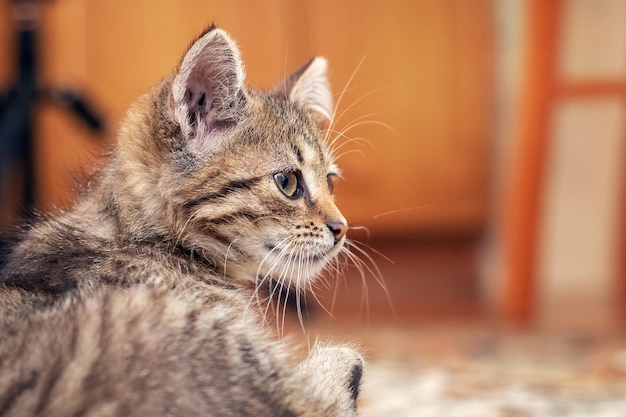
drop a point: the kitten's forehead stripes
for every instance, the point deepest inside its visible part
(229, 188)
(298, 153)
(310, 152)
(230, 217)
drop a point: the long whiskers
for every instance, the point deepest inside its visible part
(335, 119)
(267, 276)
(342, 134)
(358, 121)
(371, 266)
(276, 277)
(358, 100)
(359, 255)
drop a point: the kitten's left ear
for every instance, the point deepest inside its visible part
(309, 88)
(206, 88)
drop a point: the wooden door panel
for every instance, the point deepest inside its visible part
(426, 73)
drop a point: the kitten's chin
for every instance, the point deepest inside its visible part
(295, 271)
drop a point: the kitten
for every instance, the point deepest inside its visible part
(137, 301)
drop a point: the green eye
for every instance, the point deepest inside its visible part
(287, 183)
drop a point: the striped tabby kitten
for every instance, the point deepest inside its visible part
(141, 299)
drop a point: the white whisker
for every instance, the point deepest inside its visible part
(363, 228)
(361, 267)
(289, 272)
(269, 273)
(387, 213)
(382, 255)
(339, 134)
(373, 270)
(342, 94)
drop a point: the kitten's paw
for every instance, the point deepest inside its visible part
(332, 375)
(341, 364)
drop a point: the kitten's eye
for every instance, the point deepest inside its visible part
(287, 183)
(330, 179)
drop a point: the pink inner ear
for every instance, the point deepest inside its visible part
(201, 109)
(197, 106)
(208, 81)
(198, 103)
(309, 88)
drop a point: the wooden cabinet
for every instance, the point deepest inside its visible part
(425, 73)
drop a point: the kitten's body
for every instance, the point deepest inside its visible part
(148, 352)
(138, 301)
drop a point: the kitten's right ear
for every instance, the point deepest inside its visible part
(308, 87)
(206, 87)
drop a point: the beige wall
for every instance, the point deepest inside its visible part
(582, 213)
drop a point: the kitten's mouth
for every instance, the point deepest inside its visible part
(304, 257)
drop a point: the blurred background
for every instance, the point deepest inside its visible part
(485, 144)
(485, 138)
(484, 152)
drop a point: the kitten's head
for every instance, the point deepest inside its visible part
(240, 177)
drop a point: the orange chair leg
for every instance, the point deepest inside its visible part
(521, 214)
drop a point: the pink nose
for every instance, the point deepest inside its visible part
(339, 229)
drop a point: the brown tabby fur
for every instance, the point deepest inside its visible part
(141, 299)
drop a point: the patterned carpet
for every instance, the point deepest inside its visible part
(471, 370)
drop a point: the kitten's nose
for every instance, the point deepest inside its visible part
(339, 229)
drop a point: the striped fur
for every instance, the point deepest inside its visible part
(148, 352)
(141, 299)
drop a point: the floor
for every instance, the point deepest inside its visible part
(432, 350)
(474, 368)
